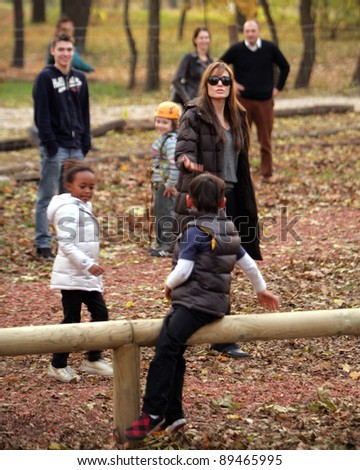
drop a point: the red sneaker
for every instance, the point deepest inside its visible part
(143, 426)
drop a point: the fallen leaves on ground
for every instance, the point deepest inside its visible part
(290, 394)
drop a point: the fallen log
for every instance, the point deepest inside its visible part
(316, 143)
(117, 126)
(26, 177)
(34, 168)
(317, 109)
(15, 144)
(319, 133)
(140, 124)
(17, 167)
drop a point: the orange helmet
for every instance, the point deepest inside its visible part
(168, 110)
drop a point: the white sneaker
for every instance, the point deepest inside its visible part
(64, 374)
(99, 367)
(176, 425)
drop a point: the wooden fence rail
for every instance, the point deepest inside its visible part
(126, 337)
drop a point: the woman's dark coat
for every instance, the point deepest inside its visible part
(198, 140)
(185, 85)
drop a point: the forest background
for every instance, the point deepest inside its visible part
(135, 46)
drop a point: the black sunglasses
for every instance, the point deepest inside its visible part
(214, 80)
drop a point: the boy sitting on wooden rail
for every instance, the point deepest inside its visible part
(199, 290)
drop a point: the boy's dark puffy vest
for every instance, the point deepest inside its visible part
(208, 288)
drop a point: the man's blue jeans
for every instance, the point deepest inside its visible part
(50, 184)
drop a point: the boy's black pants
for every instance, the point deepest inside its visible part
(72, 301)
(163, 395)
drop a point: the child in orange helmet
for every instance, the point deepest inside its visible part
(164, 175)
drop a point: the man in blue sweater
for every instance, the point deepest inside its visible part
(62, 117)
(253, 62)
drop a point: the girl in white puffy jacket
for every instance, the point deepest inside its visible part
(76, 271)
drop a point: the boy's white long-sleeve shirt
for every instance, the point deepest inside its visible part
(184, 267)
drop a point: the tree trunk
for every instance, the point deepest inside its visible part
(185, 8)
(132, 45)
(308, 58)
(205, 13)
(271, 24)
(19, 45)
(38, 11)
(356, 76)
(270, 21)
(79, 12)
(153, 62)
(240, 19)
(233, 33)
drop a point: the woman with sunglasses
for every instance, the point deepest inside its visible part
(214, 137)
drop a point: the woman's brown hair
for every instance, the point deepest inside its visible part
(197, 31)
(234, 112)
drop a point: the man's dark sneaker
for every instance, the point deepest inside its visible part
(231, 350)
(45, 253)
(143, 426)
(172, 426)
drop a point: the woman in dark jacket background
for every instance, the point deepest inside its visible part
(214, 137)
(185, 84)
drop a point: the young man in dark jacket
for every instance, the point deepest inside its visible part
(62, 118)
(199, 290)
(253, 62)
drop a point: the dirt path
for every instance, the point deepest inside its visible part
(22, 118)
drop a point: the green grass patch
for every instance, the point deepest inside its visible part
(107, 49)
(16, 93)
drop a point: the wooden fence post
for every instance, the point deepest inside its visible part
(126, 399)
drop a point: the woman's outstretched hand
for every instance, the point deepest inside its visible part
(191, 166)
